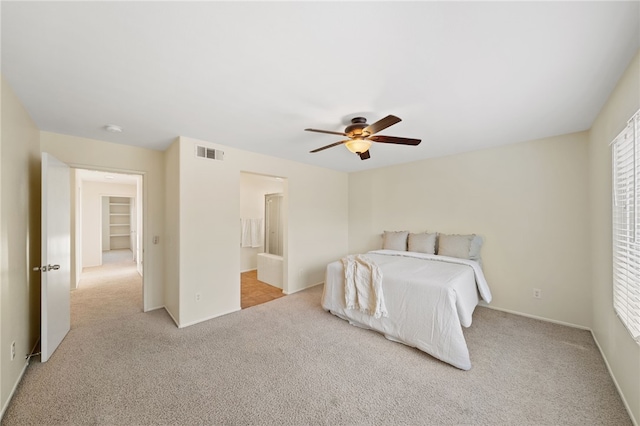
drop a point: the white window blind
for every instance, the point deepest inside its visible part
(626, 226)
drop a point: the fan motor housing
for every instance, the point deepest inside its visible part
(355, 128)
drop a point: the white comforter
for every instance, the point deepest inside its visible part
(428, 299)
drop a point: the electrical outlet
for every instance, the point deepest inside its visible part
(537, 293)
(13, 351)
(197, 297)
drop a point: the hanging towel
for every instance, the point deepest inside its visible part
(251, 232)
(256, 232)
(245, 232)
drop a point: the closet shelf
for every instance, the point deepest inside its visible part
(119, 223)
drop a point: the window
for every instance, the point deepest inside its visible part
(626, 225)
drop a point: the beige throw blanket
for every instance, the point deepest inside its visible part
(363, 286)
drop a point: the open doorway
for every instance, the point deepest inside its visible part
(107, 223)
(262, 230)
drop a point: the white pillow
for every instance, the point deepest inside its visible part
(395, 240)
(474, 250)
(460, 246)
(423, 243)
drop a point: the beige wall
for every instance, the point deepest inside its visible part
(93, 154)
(316, 208)
(621, 352)
(528, 200)
(19, 239)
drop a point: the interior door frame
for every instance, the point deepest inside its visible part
(145, 220)
(284, 190)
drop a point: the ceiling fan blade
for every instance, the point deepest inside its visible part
(326, 131)
(379, 125)
(394, 139)
(364, 155)
(330, 146)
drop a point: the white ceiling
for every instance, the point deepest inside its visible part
(253, 75)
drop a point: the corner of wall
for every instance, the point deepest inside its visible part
(620, 352)
(172, 231)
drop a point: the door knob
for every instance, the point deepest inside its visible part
(46, 268)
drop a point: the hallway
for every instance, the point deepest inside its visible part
(106, 292)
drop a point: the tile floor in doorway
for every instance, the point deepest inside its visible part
(254, 292)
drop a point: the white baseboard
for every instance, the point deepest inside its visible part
(615, 382)
(175, 321)
(155, 308)
(207, 318)
(606, 362)
(248, 270)
(568, 324)
(303, 288)
(15, 386)
(13, 390)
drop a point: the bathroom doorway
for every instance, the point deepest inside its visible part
(263, 223)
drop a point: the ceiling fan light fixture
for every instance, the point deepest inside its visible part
(361, 135)
(358, 145)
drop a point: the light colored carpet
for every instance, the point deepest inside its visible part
(117, 256)
(110, 291)
(287, 362)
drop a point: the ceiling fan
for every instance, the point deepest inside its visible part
(361, 135)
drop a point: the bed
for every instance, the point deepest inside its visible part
(428, 299)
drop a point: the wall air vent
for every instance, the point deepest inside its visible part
(209, 153)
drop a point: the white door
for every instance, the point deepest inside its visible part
(56, 255)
